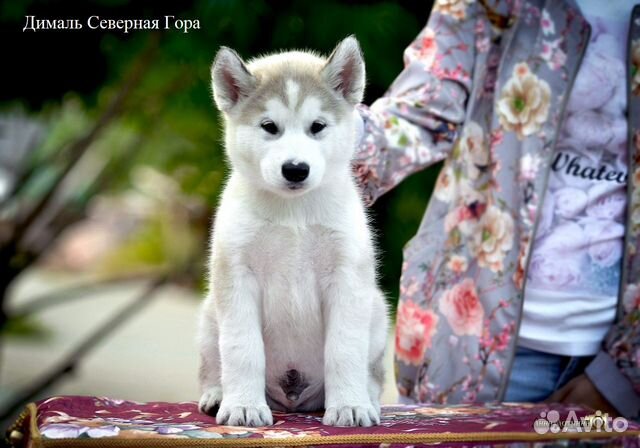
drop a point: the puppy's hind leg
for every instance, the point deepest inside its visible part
(210, 383)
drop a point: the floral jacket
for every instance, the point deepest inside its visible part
(484, 90)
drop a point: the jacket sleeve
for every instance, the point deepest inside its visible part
(615, 371)
(416, 122)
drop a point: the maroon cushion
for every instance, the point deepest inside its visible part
(71, 421)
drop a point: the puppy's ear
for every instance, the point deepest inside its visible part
(230, 79)
(344, 70)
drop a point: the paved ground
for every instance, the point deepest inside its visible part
(151, 357)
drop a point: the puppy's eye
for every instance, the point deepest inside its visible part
(317, 127)
(269, 126)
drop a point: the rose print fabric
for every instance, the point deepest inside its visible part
(574, 271)
(484, 90)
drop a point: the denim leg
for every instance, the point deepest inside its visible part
(534, 375)
(575, 367)
(406, 400)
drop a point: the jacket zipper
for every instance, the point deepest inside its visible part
(630, 165)
(563, 106)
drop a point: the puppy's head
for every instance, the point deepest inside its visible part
(289, 116)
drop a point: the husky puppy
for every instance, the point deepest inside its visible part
(293, 320)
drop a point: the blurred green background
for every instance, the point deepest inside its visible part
(127, 138)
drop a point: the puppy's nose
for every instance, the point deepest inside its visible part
(295, 172)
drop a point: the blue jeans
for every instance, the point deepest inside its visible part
(536, 375)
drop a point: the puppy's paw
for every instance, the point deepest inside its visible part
(351, 416)
(234, 415)
(210, 401)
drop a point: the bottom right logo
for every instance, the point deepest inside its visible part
(550, 421)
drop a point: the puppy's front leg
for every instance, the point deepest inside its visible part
(347, 319)
(242, 353)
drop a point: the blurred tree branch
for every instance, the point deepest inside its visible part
(68, 294)
(71, 361)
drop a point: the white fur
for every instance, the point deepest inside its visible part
(292, 275)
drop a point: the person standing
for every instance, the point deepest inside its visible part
(523, 281)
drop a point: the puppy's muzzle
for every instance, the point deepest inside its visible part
(295, 172)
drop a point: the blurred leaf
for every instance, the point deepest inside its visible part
(25, 327)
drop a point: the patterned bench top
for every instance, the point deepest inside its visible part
(98, 421)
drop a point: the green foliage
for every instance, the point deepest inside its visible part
(164, 244)
(25, 327)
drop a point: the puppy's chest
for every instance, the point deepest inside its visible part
(291, 265)
(291, 259)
